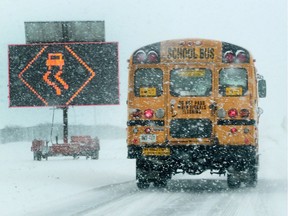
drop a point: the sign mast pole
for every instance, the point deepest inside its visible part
(65, 124)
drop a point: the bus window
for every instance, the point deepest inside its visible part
(191, 82)
(233, 82)
(148, 82)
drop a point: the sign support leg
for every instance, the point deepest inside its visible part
(65, 125)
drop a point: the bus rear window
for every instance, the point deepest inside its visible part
(191, 82)
(233, 82)
(148, 82)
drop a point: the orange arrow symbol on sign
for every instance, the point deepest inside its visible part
(53, 84)
(57, 76)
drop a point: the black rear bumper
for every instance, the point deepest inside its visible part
(195, 159)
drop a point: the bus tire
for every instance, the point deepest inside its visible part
(141, 174)
(251, 178)
(233, 181)
(95, 155)
(39, 156)
(142, 184)
(160, 183)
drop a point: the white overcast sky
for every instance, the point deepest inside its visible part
(257, 25)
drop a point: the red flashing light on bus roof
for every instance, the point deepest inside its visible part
(234, 54)
(149, 54)
(152, 57)
(241, 56)
(229, 57)
(140, 56)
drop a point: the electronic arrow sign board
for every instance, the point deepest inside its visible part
(63, 74)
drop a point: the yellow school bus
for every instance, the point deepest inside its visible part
(193, 107)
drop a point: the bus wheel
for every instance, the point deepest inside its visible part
(39, 156)
(233, 181)
(142, 171)
(160, 183)
(142, 184)
(95, 155)
(161, 180)
(251, 177)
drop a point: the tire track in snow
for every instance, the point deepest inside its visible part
(84, 202)
(181, 197)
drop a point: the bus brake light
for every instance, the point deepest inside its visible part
(148, 113)
(232, 113)
(147, 130)
(233, 130)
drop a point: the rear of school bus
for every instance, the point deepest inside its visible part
(192, 107)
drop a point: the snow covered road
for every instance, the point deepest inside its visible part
(63, 186)
(182, 197)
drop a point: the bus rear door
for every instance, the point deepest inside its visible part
(190, 104)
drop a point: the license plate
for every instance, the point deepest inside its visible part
(148, 138)
(146, 92)
(234, 91)
(156, 151)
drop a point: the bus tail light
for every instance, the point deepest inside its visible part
(229, 56)
(147, 130)
(247, 141)
(148, 113)
(232, 113)
(244, 113)
(233, 130)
